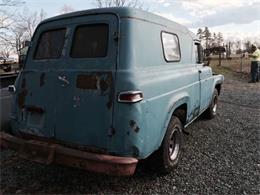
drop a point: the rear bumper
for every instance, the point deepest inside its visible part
(50, 153)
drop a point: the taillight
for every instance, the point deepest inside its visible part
(130, 96)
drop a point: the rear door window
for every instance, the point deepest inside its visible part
(90, 41)
(50, 44)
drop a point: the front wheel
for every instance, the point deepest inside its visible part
(211, 112)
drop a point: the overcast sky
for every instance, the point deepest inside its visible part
(234, 18)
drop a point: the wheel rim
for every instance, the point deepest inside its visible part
(174, 145)
(215, 106)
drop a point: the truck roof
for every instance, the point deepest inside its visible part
(126, 12)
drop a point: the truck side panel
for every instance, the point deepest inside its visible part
(143, 67)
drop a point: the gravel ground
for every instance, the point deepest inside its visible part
(221, 156)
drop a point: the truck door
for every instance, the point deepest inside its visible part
(86, 82)
(37, 86)
(205, 75)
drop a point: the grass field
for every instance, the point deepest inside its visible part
(236, 64)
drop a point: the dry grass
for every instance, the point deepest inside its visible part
(232, 68)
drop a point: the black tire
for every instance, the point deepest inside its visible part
(169, 153)
(211, 112)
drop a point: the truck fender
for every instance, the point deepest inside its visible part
(175, 102)
(218, 79)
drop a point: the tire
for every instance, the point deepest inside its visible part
(169, 153)
(211, 112)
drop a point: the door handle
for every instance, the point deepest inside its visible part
(63, 79)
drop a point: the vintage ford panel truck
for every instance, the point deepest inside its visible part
(104, 88)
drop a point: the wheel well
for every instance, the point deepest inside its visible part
(181, 113)
(218, 87)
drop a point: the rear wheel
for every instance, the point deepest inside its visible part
(211, 112)
(170, 151)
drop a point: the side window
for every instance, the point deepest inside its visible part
(90, 41)
(50, 44)
(171, 47)
(198, 53)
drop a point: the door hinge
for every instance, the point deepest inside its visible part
(116, 36)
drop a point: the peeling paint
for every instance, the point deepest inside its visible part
(111, 131)
(21, 98)
(196, 112)
(76, 100)
(42, 79)
(23, 83)
(134, 126)
(35, 109)
(110, 83)
(22, 94)
(100, 81)
(106, 83)
(87, 82)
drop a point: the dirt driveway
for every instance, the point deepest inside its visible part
(221, 156)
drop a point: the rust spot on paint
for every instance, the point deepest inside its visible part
(134, 126)
(195, 112)
(101, 81)
(35, 109)
(87, 82)
(137, 129)
(105, 83)
(42, 79)
(132, 123)
(22, 94)
(111, 131)
(23, 83)
(21, 98)
(110, 83)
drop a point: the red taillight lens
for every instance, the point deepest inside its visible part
(130, 97)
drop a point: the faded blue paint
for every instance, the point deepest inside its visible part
(93, 117)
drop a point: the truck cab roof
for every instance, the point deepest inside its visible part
(125, 12)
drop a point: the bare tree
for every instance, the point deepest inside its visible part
(6, 50)
(219, 40)
(28, 22)
(6, 21)
(5, 16)
(21, 30)
(214, 40)
(18, 37)
(200, 33)
(119, 3)
(66, 9)
(207, 37)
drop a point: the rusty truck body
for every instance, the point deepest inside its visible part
(102, 89)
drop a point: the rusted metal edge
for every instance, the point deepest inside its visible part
(48, 153)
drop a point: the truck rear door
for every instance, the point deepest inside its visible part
(85, 83)
(70, 76)
(37, 86)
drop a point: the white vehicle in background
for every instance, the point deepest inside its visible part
(6, 63)
(2, 60)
